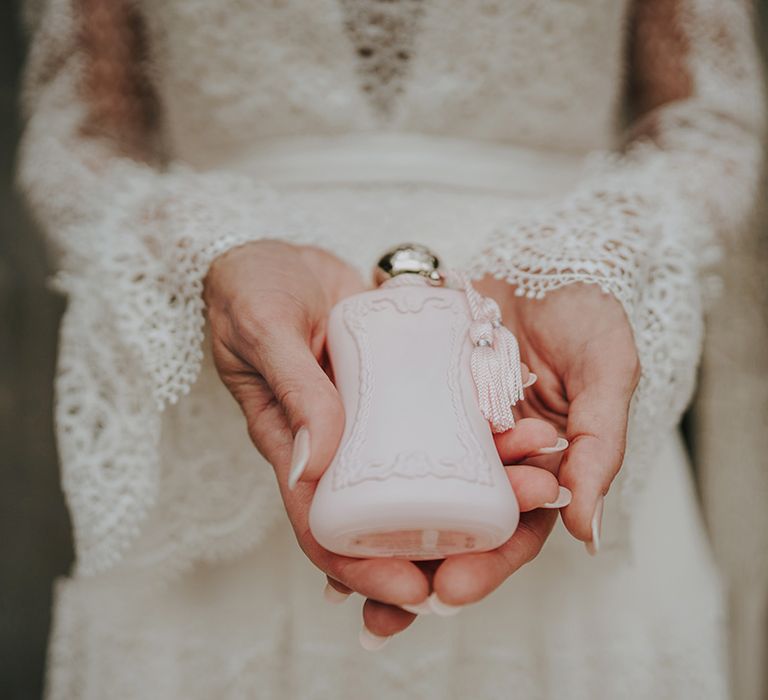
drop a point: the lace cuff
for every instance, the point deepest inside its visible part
(643, 234)
(646, 222)
(184, 220)
(633, 239)
(133, 242)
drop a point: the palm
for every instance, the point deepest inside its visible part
(575, 339)
(580, 345)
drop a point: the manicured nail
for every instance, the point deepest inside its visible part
(530, 381)
(593, 546)
(559, 446)
(333, 595)
(441, 608)
(370, 641)
(422, 608)
(299, 456)
(563, 499)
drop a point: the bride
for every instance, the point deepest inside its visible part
(214, 176)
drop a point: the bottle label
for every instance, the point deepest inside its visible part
(414, 387)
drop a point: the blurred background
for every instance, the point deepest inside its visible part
(34, 527)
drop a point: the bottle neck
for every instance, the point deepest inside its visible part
(407, 279)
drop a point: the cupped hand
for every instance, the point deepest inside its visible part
(466, 578)
(267, 304)
(579, 343)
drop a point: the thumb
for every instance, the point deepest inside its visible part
(309, 401)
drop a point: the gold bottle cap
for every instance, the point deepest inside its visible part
(408, 259)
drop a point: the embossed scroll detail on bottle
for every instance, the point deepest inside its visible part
(400, 450)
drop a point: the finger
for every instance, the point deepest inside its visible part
(534, 487)
(467, 578)
(266, 421)
(597, 428)
(310, 402)
(527, 437)
(394, 581)
(385, 620)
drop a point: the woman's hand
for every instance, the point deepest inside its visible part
(268, 303)
(579, 343)
(538, 495)
(267, 306)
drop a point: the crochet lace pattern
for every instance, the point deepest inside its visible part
(134, 236)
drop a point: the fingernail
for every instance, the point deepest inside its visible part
(593, 546)
(422, 608)
(299, 456)
(443, 609)
(563, 499)
(559, 446)
(530, 381)
(333, 595)
(370, 641)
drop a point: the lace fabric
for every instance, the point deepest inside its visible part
(646, 225)
(244, 628)
(135, 237)
(383, 34)
(133, 244)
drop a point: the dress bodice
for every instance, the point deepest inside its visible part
(521, 71)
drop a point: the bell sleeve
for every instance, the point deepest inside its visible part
(648, 221)
(131, 234)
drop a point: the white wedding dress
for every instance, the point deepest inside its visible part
(488, 131)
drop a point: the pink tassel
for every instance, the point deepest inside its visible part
(488, 372)
(495, 361)
(507, 346)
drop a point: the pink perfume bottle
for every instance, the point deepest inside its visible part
(417, 474)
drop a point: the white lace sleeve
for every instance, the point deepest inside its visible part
(647, 220)
(133, 238)
(145, 231)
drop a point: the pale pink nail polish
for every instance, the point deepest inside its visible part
(334, 596)
(563, 499)
(370, 641)
(422, 608)
(593, 546)
(560, 446)
(530, 381)
(299, 456)
(443, 609)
